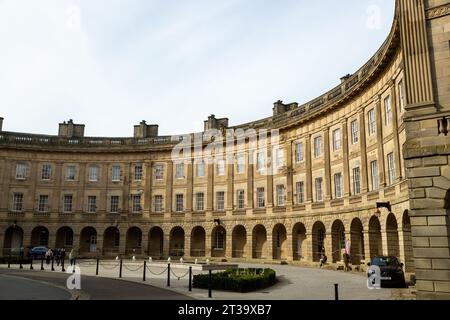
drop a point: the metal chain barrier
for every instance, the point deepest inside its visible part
(89, 263)
(132, 270)
(176, 276)
(109, 268)
(157, 274)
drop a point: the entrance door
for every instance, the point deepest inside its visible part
(93, 244)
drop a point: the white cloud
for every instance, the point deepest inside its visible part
(110, 64)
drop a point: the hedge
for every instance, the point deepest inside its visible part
(238, 280)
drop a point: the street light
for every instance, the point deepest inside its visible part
(386, 205)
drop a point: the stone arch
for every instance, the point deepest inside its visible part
(279, 242)
(176, 242)
(407, 243)
(88, 241)
(40, 237)
(64, 238)
(13, 241)
(299, 241)
(156, 242)
(375, 240)
(239, 241)
(337, 240)
(198, 242)
(318, 240)
(392, 239)
(134, 241)
(259, 240)
(218, 241)
(111, 241)
(357, 252)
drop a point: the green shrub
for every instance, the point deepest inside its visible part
(238, 280)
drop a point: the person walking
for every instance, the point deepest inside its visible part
(48, 256)
(346, 261)
(57, 256)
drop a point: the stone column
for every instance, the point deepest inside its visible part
(190, 189)
(250, 168)
(362, 143)
(396, 138)
(327, 178)
(123, 243)
(269, 177)
(208, 243)
(248, 250)
(308, 252)
(229, 245)
(367, 245)
(148, 187)
(289, 178)
(268, 252)
(308, 162)
(187, 246)
(230, 187)
(210, 188)
(380, 146)
(166, 243)
(328, 244)
(57, 200)
(346, 173)
(289, 248)
(169, 187)
(144, 243)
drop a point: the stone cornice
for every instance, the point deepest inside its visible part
(437, 12)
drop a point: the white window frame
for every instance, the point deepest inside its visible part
(338, 186)
(260, 161)
(93, 173)
(354, 125)
(319, 189)
(200, 201)
(116, 172)
(221, 168)
(71, 173)
(281, 195)
(201, 169)
(159, 201)
(241, 199)
(261, 198)
(388, 111)
(300, 189)
(18, 202)
(240, 166)
(179, 171)
(391, 168)
(299, 156)
(357, 180)
(159, 172)
(372, 122)
(43, 203)
(138, 172)
(337, 140)
(21, 171)
(114, 204)
(92, 204)
(136, 203)
(317, 146)
(375, 175)
(220, 201)
(279, 158)
(179, 202)
(46, 172)
(68, 203)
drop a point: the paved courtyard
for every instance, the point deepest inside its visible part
(295, 283)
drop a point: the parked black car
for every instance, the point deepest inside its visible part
(38, 252)
(392, 275)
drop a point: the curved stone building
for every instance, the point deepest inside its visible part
(380, 136)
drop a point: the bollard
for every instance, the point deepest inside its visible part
(62, 265)
(31, 263)
(42, 264)
(96, 269)
(74, 264)
(21, 266)
(336, 291)
(190, 278)
(120, 269)
(209, 284)
(168, 274)
(9, 261)
(145, 267)
(53, 265)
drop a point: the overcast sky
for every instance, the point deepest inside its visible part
(111, 63)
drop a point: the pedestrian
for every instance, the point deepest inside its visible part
(346, 261)
(72, 256)
(324, 259)
(57, 256)
(48, 256)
